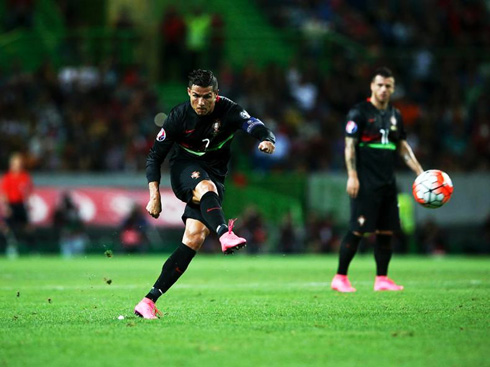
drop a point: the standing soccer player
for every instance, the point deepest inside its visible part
(374, 135)
(201, 131)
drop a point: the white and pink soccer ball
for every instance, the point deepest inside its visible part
(432, 188)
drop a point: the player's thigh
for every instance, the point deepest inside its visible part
(185, 176)
(364, 212)
(389, 216)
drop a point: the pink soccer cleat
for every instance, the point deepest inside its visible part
(147, 309)
(342, 284)
(383, 283)
(230, 242)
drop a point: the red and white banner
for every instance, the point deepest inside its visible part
(104, 206)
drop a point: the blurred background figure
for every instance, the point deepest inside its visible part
(289, 238)
(431, 239)
(173, 32)
(69, 227)
(253, 230)
(321, 233)
(15, 189)
(198, 37)
(133, 233)
(405, 238)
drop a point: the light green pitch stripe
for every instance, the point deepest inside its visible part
(219, 146)
(389, 146)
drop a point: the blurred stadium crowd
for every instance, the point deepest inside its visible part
(99, 117)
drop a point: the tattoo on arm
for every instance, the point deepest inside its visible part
(409, 157)
(350, 154)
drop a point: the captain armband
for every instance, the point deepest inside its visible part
(251, 123)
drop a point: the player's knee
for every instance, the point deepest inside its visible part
(194, 239)
(202, 188)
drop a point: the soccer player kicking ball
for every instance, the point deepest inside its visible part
(374, 135)
(201, 131)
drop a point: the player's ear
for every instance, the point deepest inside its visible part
(189, 91)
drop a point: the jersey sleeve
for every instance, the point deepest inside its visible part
(164, 141)
(251, 125)
(401, 126)
(354, 124)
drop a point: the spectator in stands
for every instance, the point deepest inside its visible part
(216, 42)
(197, 42)
(172, 45)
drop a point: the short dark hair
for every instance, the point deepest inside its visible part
(203, 78)
(382, 71)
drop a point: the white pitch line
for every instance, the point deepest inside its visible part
(254, 285)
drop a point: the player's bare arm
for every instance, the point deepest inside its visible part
(154, 207)
(267, 147)
(409, 158)
(350, 162)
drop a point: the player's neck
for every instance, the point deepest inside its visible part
(379, 105)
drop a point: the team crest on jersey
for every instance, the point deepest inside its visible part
(244, 114)
(393, 123)
(195, 175)
(351, 127)
(216, 126)
(161, 135)
(361, 220)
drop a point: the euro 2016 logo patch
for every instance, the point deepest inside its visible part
(161, 135)
(351, 127)
(244, 114)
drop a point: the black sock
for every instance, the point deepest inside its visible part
(382, 253)
(172, 269)
(213, 213)
(348, 249)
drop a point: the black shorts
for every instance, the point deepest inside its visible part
(185, 174)
(18, 216)
(375, 210)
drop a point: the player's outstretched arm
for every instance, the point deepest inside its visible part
(350, 162)
(267, 147)
(154, 206)
(409, 158)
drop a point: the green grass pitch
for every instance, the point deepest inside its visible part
(244, 311)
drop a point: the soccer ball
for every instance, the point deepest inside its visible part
(432, 188)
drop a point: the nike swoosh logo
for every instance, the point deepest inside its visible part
(189, 131)
(371, 120)
(210, 209)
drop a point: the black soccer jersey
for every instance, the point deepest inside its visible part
(378, 133)
(204, 138)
